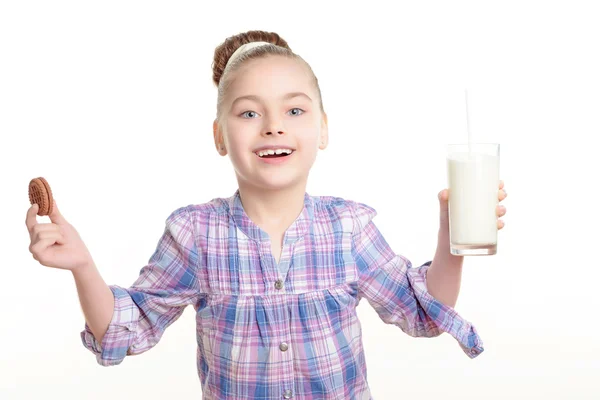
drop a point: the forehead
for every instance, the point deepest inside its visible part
(270, 77)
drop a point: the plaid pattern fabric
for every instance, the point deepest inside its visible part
(268, 330)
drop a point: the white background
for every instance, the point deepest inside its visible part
(113, 103)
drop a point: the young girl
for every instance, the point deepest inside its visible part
(273, 273)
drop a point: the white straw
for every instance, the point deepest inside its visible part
(470, 137)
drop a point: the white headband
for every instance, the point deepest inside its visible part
(243, 48)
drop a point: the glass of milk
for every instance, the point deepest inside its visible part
(473, 184)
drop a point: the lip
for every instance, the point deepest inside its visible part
(273, 148)
(278, 160)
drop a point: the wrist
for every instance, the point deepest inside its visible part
(443, 254)
(83, 269)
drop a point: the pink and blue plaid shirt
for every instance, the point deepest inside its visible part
(270, 330)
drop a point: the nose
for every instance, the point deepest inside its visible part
(273, 125)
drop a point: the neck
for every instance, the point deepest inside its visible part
(273, 209)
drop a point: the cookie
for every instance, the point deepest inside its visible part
(40, 193)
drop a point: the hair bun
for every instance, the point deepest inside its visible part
(226, 49)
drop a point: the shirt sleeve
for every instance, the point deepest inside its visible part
(165, 286)
(398, 292)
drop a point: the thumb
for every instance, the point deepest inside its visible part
(443, 198)
(55, 216)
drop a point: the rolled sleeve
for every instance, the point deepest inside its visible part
(120, 334)
(445, 318)
(398, 292)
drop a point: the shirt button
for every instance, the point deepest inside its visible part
(278, 284)
(473, 351)
(287, 394)
(283, 346)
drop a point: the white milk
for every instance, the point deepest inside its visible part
(473, 181)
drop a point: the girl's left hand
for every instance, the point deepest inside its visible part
(443, 197)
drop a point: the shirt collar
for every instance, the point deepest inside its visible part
(296, 230)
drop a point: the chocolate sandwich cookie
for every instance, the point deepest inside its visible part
(40, 193)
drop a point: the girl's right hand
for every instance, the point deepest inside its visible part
(56, 244)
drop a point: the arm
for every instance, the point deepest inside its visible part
(96, 299)
(444, 274)
(142, 312)
(398, 292)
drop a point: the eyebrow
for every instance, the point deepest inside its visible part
(258, 99)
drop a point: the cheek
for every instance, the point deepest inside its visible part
(310, 148)
(239, 151)
(309, 139)
(237, 141)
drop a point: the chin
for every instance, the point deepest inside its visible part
(278, 183)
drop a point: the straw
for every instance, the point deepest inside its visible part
(470, 136)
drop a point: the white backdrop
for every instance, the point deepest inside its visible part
(113, 103)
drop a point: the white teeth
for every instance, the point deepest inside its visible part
(262, 153)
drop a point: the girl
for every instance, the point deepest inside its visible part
(273, 273)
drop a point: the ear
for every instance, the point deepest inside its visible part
(218, 137)
(324, 135)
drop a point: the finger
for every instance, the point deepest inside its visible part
(56, 236)
(45, 227)
(443, 198)
(56, 216)
(43, 230)
(501, 195)
(501, 184)
(39, 247)
(500, 211)
(443, 195)
(42, 251)
(500, 224)
(31, 219)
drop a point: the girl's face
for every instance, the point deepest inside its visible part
(271, 103)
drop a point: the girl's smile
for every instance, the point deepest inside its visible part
(276, 158)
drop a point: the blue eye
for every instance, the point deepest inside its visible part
(301, 111)
(247, 112)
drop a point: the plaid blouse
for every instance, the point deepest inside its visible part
(269, 330)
